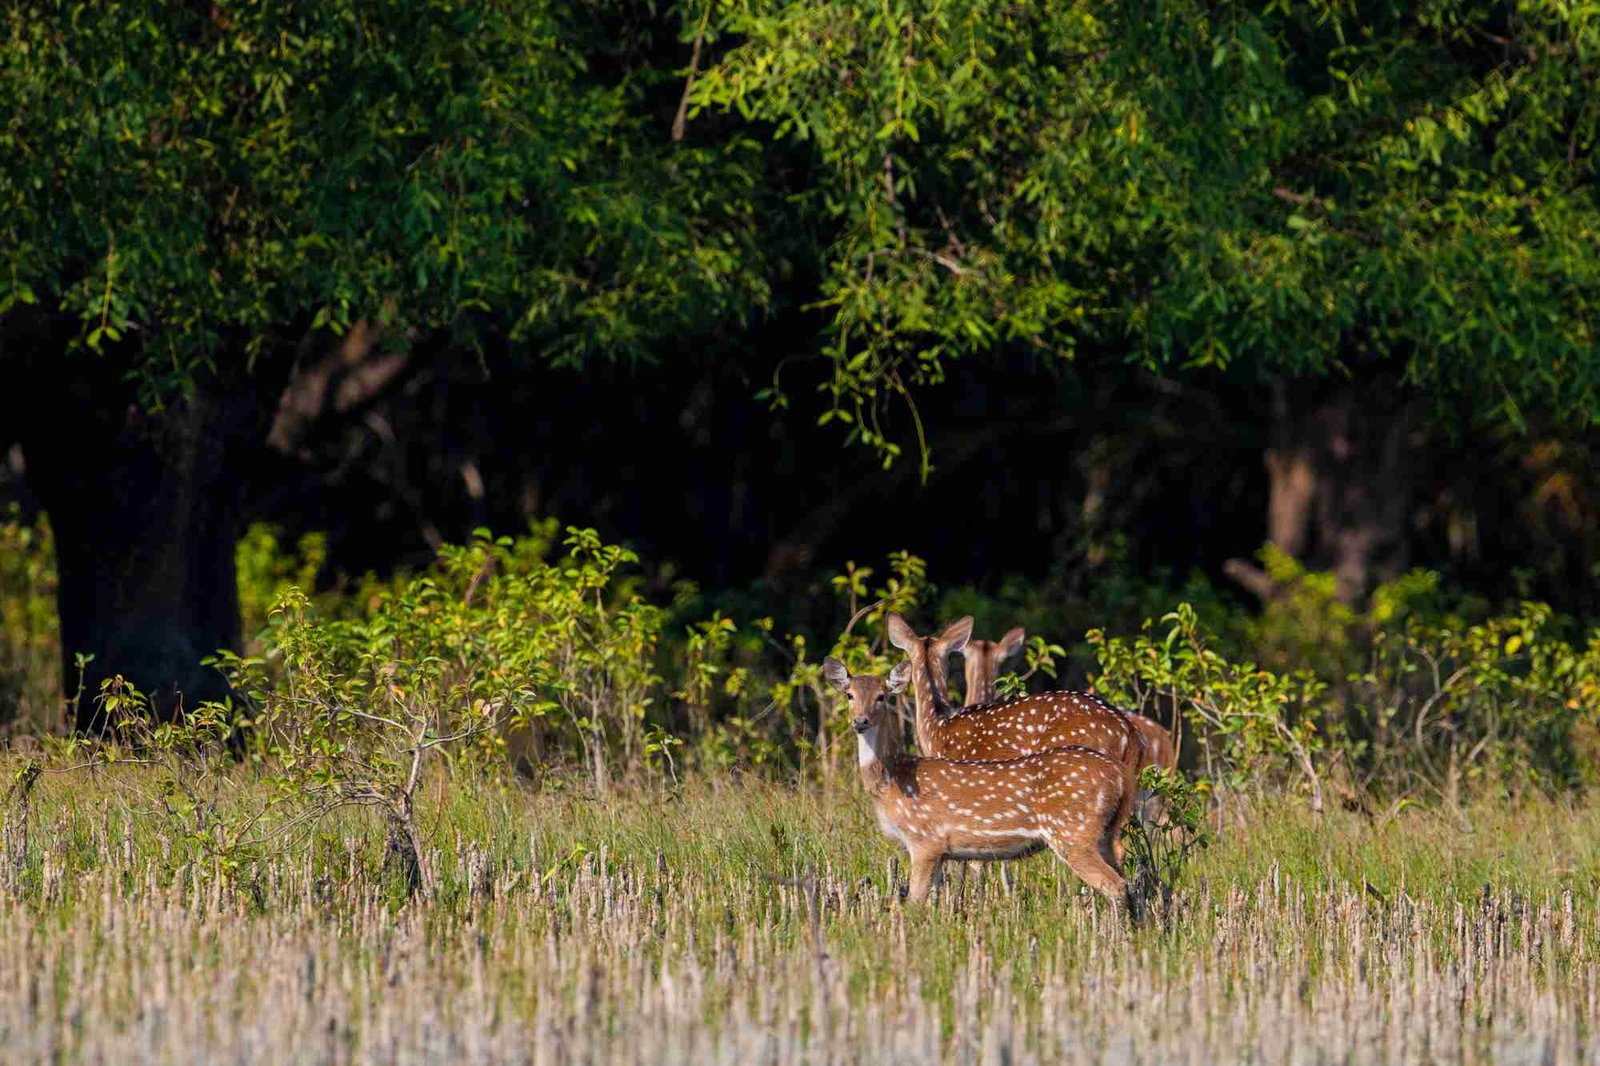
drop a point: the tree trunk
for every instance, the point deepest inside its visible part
(145, 506)
(1340, 469)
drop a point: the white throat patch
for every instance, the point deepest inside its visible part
(867, 746)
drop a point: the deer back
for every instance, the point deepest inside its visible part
(1029, 725)
(1001, 809)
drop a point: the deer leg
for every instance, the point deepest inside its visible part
(925, 868)
(1088, 861)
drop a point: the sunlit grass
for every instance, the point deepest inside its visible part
(747, 921)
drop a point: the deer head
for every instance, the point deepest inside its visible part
(929, 657)
(868, 695)
(982, 659)
(930, 652)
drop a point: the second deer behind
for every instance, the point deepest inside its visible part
(982, 659)
(1027, 725)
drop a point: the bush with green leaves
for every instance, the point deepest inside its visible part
(1161, 845)
(181, 787)
(545, 648)
(713, 694)
(754, 699)
(268, 568)
(1304, 624)
(1503, 704)
(191, 757)
(419, 679)
(1038, 657)
(1252, 727)
(432, 673)
(1428, 692)
(1444, 704)
(493, 635)
(359, 707)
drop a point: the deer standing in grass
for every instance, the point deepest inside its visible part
(981, 661)
(1073, 801)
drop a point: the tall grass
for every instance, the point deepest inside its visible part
(163, 902)
(742, 921)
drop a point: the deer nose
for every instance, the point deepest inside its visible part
(860, 723)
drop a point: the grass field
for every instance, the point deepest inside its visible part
(748, 922)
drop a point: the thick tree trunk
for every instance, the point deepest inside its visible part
(1341, 471)
(145, 506)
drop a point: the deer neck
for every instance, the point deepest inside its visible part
(980, 680)
(929, 683)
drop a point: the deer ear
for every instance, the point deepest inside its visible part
(1012, 642)
(835, 674)
(900, 634)
(956, 634)
(900, 676)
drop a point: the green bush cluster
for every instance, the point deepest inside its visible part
(544, 651)
(555, 656)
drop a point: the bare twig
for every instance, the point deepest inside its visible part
(860, 614)
(681, 120)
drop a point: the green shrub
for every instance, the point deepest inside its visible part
(267, 570)
(1161, 845)
(1038, 657)
(1442, 707)
(1253, 728)
(561, 651)
(545, 647)
(431, 672)
(1497, 705)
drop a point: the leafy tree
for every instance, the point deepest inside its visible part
(194, 196)
(1381, 215)
(1371, 217)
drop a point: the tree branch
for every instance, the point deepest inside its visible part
(681, 119)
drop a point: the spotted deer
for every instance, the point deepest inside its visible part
(1010, 729)
(1072, 800)
(982, 658)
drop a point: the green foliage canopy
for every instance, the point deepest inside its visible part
(206, 175)
(1272, 188)
(1268, 188)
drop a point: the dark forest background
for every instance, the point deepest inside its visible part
(1074, 300)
